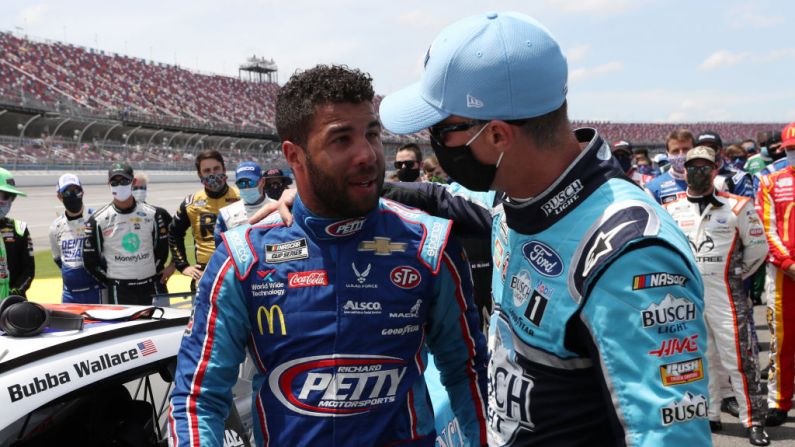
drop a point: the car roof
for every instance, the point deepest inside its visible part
(37, 370)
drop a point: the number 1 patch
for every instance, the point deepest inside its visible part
(535, 308)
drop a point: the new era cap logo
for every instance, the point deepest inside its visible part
(473, 103)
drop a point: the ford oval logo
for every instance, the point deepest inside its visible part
(543, 259)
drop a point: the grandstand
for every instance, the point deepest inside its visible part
(67, 106)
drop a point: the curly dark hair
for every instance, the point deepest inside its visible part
(322, 84)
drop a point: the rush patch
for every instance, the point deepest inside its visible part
(659, 279)
(337, 385)
(286, 251)
(679, 373)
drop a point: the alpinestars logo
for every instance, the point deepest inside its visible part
(602, 247)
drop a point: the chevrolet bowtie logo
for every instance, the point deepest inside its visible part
(382, 246)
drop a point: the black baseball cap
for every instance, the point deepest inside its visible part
(707, 138)
(120, 169)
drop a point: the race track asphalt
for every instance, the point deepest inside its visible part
(41, 207)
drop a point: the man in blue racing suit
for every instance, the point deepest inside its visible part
(597, 337)
(340, 309)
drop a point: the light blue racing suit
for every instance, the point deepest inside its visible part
(598, 336)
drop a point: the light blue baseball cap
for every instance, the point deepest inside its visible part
(502, 66)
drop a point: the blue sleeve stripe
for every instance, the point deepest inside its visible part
(480, 406)
(207, 350)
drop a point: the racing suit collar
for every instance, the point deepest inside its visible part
(125, 210)
(216, 194)
(325, 228)
(593, 167)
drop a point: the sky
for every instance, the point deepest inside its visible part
(629, 60)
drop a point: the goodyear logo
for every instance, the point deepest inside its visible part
(659, 279)
(271, 314)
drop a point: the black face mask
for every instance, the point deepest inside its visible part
(461, 165)
(275, 192)
(699, 182)
(73, 204)
(406, 174)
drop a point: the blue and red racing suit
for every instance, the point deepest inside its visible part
(338, 316)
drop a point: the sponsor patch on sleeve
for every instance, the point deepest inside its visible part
(286, 251)
(658, 279)
(679, 373)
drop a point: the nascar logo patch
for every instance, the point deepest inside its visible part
(659, 279)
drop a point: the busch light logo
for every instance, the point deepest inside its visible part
(337, 385)
(543, 259)
(509, 391)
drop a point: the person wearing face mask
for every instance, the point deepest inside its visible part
(729, 179)
(622, 152)
(17, 266)
(671, 185)
(757, 161)
(67, 236)
(140, 188)
(407, 162)
(198, 212)
(251, 184)
(778, 159)
(126, 244)
(275, 183)
(591, 277)
(729, 244)
(774, 204)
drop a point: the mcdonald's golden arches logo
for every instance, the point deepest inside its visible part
(271, 313)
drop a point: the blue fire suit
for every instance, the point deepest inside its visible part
(597, 337)
(338, 316)
(666, 188)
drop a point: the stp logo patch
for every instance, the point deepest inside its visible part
(337, 385)
(405, 277)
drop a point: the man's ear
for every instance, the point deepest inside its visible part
(501, 135)
(294, 154)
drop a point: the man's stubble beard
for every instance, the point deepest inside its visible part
(334, 197)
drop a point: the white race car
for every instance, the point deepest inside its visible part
(106, 384)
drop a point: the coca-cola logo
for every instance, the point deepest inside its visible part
(337, 385)
(313, 278)
(405, 277)
(345, 227)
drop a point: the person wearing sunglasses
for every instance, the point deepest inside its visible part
(592, 280)
(126, 243)
(251, 186)
(728, 242)
(17, 266)
(198, 212)
(276, 182)
(407, 162)
(67, 236)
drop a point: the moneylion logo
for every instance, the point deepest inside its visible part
(131, 242)
(271, 313)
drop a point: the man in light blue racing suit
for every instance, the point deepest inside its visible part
(340, 309)
(597, 337)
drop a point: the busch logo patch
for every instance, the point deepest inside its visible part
(337, 385)
(521, 286)
(509, 391)
(690, 407)
(670, 310)
(563, 199)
